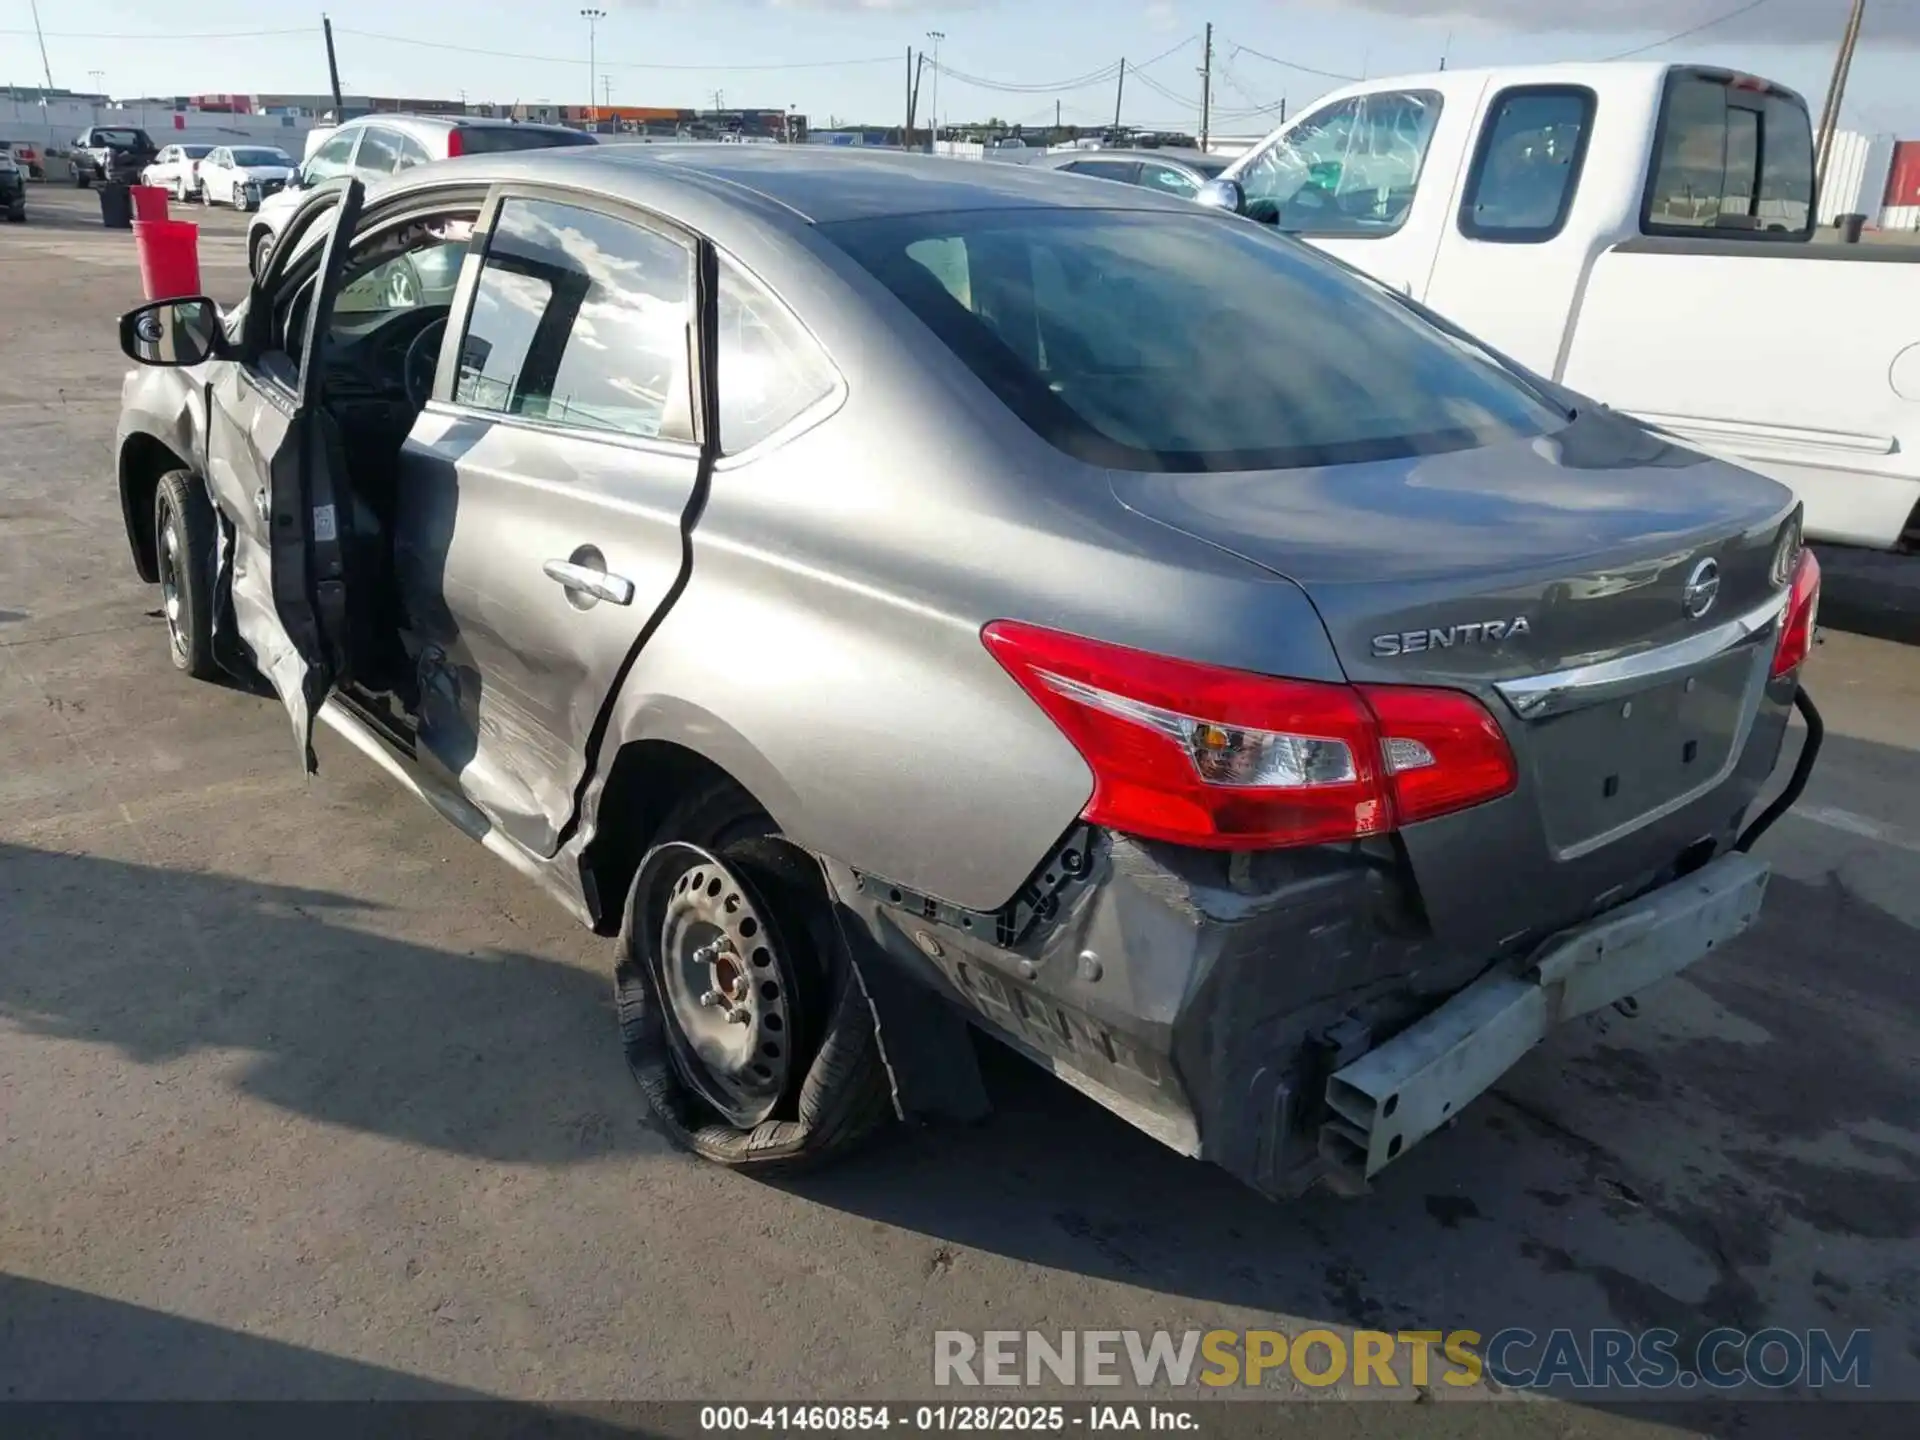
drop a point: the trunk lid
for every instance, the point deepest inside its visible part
(1485, 569)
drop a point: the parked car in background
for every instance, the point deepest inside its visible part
(244, 176)
(13, 188)
(177, 169)
(111, 152)
(28, 155)
(1640, 231)
(375, 146)
(1171, 172)
(894, 593)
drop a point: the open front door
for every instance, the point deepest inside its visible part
(273, 463)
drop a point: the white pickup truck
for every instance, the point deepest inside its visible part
(1642, 233)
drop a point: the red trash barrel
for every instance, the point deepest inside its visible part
(149, 202)
(169, 252)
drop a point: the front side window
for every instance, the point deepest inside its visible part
(1730, 158)
(581, 319)
(1350, 169)
(1168, 179)
(332, 158)
(1161, 341)
(1527, 168)
(379, 152)
(771, 371)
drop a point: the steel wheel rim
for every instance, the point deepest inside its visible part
(726, 988)
(171, 603)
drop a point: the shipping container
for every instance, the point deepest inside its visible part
(1903, 177)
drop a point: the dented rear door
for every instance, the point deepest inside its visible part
(543, 496)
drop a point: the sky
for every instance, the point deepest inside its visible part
(846, 59)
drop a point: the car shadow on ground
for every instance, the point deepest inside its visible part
(494, 1054)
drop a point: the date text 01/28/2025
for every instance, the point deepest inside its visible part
(982, 1419)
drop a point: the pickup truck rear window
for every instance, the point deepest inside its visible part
(1730, 157)
(1146, 340)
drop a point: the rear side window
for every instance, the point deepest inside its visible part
(409, 152)
(771, 371)
(580, 319)
(1730, 157)
(492, 139)
(1162, 341)
(1526, 170)
(332, 158)
(1349, 169)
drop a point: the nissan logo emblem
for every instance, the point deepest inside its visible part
(1703, 588)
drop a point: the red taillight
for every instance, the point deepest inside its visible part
(456, 144)
(1228, 760)
(1796, 625)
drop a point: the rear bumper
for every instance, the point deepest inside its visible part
(1394, 1096)
(1293, 1016)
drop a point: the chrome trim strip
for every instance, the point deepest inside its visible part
(1536, 696)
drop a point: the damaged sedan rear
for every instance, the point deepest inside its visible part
(895, 595)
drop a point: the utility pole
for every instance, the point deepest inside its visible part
(906, 135)
(1206, 90)
(606, 90)
(1836, 98)
(1056, 117)
(45, 68)
(933, 101)
(1119, 92)
(333, 72)
(593, 17)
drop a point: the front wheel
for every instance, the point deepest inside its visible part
(183, 545)
(260, 252)
(743, 1018)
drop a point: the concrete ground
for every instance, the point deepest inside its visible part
(301, 1094)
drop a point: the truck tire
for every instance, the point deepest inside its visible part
(183, 544)
(837, 1092)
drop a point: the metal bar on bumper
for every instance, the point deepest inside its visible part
(1397, 1094)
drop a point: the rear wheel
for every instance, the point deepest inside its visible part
(260, 252)
(183, 542)
(743, 1020)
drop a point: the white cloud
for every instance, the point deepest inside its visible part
(1775, 22)
(1162, 15)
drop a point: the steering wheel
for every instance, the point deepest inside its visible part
(422, 360)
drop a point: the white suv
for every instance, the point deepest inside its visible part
(374, 146)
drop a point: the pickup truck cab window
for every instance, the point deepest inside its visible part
(1349, 169)
(1526, 169)
(1729, 156)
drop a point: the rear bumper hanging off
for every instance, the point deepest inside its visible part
(1407, 1088)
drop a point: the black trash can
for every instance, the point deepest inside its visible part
(116, 207)
(1849, 226)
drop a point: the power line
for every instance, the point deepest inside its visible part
(1682, 35)
(170, 35)
(1239, 49)
(613, 64)
(1050, 87)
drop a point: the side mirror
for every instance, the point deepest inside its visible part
(172, 332)
(1223, 195)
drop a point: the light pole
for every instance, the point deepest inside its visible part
(933, 101)
(593, 18)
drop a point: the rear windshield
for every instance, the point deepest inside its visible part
(120, 139)
(1732, 156)
(196, 152)
(491, 139)
(1154, 341)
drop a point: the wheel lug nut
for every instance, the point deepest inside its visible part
(739, 1017)
(712, 998)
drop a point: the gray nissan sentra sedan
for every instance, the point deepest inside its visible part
(891, 593)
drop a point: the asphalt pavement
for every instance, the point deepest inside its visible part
(303, 1095)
